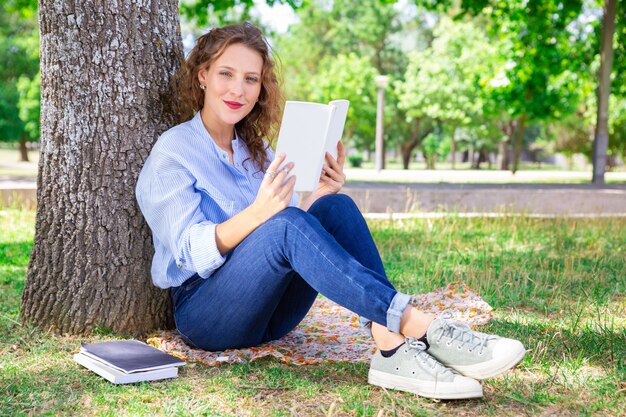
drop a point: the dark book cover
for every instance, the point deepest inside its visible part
(130, 355)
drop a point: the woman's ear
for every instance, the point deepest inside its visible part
(203, 76)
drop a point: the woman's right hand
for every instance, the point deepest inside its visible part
(275, 193)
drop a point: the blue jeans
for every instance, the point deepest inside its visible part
(270, 280)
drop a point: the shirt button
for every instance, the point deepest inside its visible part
(179, 265)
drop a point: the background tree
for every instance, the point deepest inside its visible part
(601, 140)
(373, 31)
(29, 105)
(104, 99)
(349, 77)
(445, 84)
(19, 57)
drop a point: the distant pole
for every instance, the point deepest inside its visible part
(381, 82)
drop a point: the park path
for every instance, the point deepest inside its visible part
(548, 199)
(420, 197)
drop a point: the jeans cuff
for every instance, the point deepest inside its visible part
(394, 314)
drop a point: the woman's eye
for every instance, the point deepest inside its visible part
(225, 73)
(252, 79)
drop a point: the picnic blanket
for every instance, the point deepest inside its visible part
(331, 333)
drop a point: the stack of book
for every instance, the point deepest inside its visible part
(127, 361)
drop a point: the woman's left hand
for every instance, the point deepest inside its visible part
(332, 178)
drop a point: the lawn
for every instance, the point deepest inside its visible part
(559, 285)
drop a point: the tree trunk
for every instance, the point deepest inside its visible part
(406, 150)
(483, 156)
(453, 149)
(430, 161)
(105, 83)
(601, 140)
(23, 149)
(508, 129)
(519, 135)
(416, 138)
(504, 154)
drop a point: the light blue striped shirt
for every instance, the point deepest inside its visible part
(186, 187)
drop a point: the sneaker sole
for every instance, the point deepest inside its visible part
(485, 370)
(442, 390)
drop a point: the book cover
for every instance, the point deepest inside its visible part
(118, 377)
(130, 355)
(307, 132)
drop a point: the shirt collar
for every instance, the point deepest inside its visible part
(198, 126)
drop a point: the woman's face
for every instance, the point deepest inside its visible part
(233, 84)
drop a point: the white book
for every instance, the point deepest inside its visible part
(118, 377)
(307, 132)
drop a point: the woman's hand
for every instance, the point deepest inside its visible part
(332, 178)
(275, 193)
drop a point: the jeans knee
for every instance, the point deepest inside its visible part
(282, 221)
(290, 213)
(341, 202)
(336, 204)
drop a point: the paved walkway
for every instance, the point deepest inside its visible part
(413, 198)
(546, 199)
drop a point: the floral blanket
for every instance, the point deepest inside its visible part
(331, 333)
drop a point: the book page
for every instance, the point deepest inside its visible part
(302, 137)
(337, 123)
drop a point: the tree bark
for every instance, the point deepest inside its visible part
(23, 149)
(519, 135)
(601, 139)
(105, 97)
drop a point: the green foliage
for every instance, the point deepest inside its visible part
(11, 126)
(337, 49)
(544, 51)
(445, 81)
(355, 160)
(19, 57)
(219, 12)
(349, 77)
(29, 104)
(617, 132)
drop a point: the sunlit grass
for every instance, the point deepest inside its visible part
(558, 285)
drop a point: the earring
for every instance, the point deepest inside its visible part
(203, 87)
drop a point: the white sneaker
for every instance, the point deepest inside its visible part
(412, 369)
(474, 354)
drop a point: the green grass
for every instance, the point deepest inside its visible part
(559, 285)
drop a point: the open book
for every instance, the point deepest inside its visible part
(307, 132)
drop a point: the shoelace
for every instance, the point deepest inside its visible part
(462, 333)
(420, 354)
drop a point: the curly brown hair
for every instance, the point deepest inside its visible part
(261, 123)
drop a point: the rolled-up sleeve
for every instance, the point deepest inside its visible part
(171, 206)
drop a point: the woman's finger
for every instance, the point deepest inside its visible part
(282, 173)
(335, 175)
(341, 153)
(334, 164)
(287, 190)
(271, 173)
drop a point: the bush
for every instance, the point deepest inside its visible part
(355, 161)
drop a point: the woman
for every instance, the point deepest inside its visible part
(244, 264)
